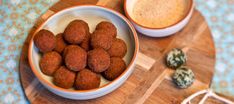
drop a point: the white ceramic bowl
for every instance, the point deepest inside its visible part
(158, 32)
(92, 15)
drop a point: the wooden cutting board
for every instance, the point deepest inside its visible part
(151, 81)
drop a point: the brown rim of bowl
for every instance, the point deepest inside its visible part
(91, 90)
(131, 19)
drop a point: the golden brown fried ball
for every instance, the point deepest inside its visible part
(60, 43)
(75, 32)
(108, 27)
(86, 42)
(64, 77)
(100, 39)
(68, 48)
(87, 79)
(98, 60)
(118, 48)
(50, 62)
(117, 67)
(76, 58)
(86, 26)
(45, 40)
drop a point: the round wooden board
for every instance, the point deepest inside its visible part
(150, 82)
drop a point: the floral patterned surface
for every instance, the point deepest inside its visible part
(220, 17)
(18, 16)
(16, 19)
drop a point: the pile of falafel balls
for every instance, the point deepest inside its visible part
(77, 58)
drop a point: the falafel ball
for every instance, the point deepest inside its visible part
(87, 79)
(45, 40)
(100, 39)
(76, 58)
(86, 42)
(64, 77)
(117, 67)
(86, 26)
(98, 60)
(68, 48)
(118, 48)
(60, 43)
(50, 62)
(75, 32)
(108, 27)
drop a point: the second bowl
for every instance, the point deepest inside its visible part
(150, 8)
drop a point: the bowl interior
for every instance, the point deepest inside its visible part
(129, 6)
(92, 15)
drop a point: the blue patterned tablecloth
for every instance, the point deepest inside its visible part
(18, 16)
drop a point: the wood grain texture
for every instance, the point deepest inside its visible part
(150, 82)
